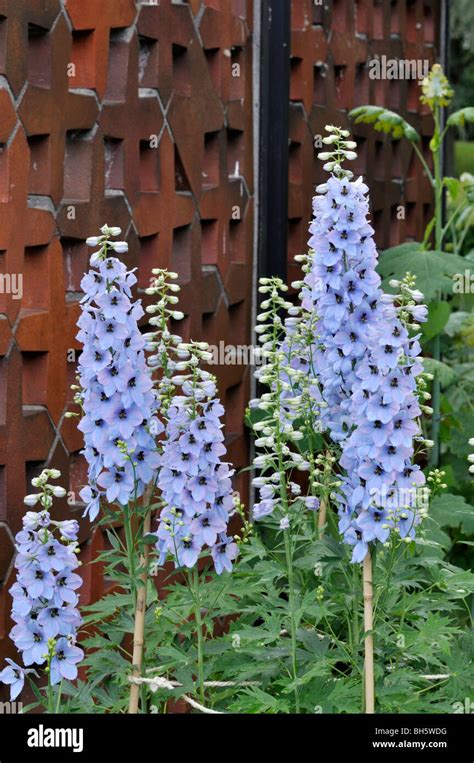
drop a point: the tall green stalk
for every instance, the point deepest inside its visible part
(438, 194)
(291, 603)
(194, 586)
(284, 500)
(131, 552)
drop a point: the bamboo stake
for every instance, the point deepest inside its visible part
(140, 610)
(369, 639)
(322, 517)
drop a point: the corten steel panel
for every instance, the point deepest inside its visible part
(85, 86)
(331, 45)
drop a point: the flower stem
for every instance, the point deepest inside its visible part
(355, 614)
(58, 700)
(50, 690)
(369, 638)
(194, 584)
(291, 602)
(438, 194)
(127, 525)
(140, 611)
(50, 695)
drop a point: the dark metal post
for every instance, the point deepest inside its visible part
(274, 110)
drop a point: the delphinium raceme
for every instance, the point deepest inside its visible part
(194, 482)
(367, 360)
(161, 343)
(286, 405)
(116, 393)
(368, 366)
(45, 595)
(300, 345)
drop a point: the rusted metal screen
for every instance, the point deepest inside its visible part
(332, 45)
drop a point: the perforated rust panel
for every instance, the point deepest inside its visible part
(85, 86)
(331, 45)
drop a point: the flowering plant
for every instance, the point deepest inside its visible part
(45, 595)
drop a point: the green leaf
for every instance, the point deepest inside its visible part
(459, 444)
(455, 323)
(459, 118)
(453, 185)
(433, 270)
(459, 582)
(453, 511)
(438, 315)
(385, 121)
(254, 415)
(445, 374)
